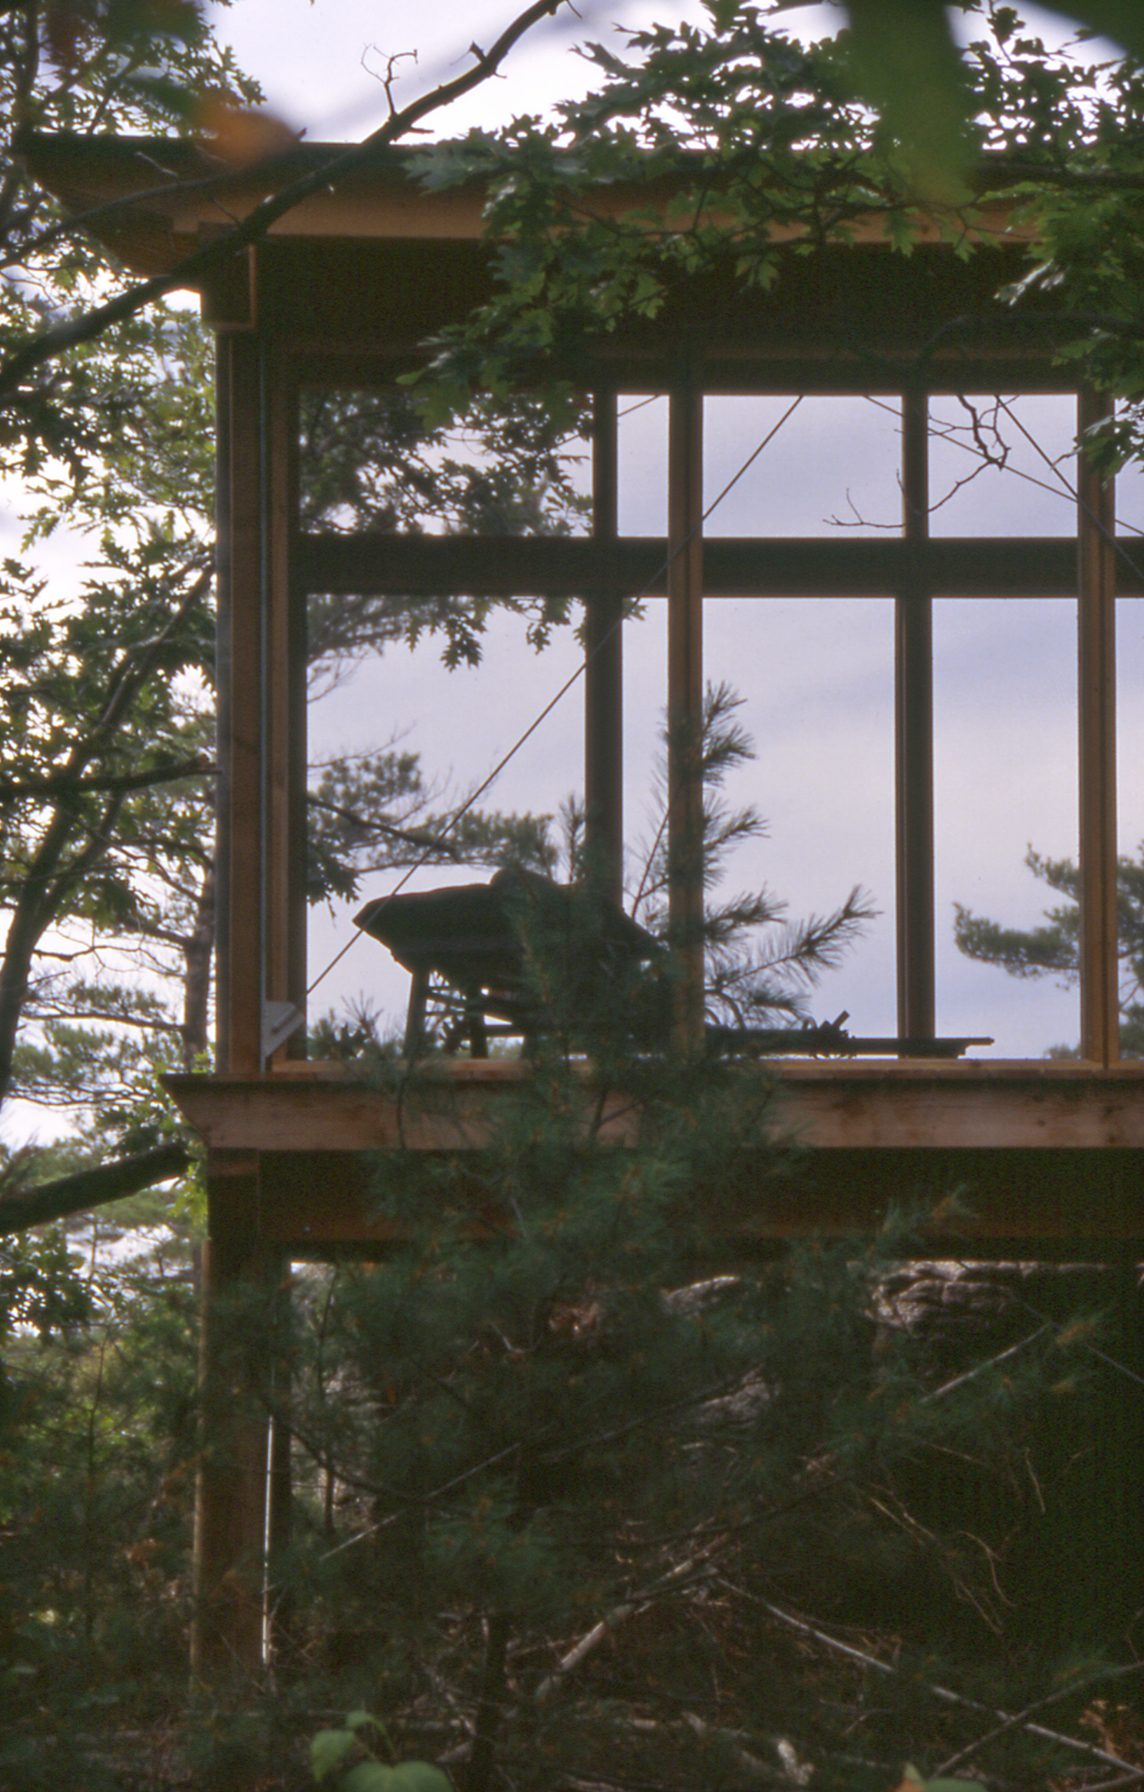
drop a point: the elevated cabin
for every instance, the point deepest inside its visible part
(341, 293)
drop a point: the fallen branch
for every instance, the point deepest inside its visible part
(1052, 1698)
(619, 1613)
(949, 1697)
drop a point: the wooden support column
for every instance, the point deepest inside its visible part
(284, 700)
(278, 1630)
(685, 692)
(913, 737)
(240, 938)
(1096, 708)
(604, 673)
(240, 1283)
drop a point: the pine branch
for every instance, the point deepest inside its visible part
(75, 783)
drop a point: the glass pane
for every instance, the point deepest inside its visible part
(1002, 466)
(642, 463)
(1005, 781)
(817, 681)
(367, 463)
(424, 738)
(830, 466)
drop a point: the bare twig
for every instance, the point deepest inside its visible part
(980, 1368)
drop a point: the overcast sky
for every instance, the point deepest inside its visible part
(817, 677)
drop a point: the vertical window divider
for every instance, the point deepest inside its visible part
(1096, 724)
(913, 734)
(604, 667)
(685, 691)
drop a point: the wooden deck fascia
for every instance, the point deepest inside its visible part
(873, 1104)
(1044, 1158)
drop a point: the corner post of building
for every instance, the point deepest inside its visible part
(256, 800)
(284, 873)
(604, 668)
(227, 1632)
(685, 690)
(1096, 719)
(913, 734)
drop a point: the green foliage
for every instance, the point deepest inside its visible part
(370, 462)
(106, 671)
(1052, 949)
(98, 1442)
(571, 1462)
(760, 967)
(912, 1779)
(348, 1757)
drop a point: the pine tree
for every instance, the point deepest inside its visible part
(1051, 949)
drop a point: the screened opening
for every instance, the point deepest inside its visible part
(823, 466)
(1003, 465)
(816, 677)
(812, 672)
(1005, 779)
(414, 699)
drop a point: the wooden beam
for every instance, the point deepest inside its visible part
(832, 1106)
(1013, 1200)
(735, 368)
(777, 566)
(913, 733)
(685, 856)
(1096, 710)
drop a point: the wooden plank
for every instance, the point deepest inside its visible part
(295, 1114)
(784, 566)
(831, 1106)
(913, 733)
(1015, 1113)
(1096, 707)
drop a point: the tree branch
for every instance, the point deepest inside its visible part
(71, 782)
(366, 154)
(92, 1188)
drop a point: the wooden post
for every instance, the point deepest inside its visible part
(230, 1507)
(240, 944)
(1096, 719)
(604, 674)
(685, 693)
(913, 739)
(284, 699)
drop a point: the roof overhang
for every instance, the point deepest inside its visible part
(375, 263)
